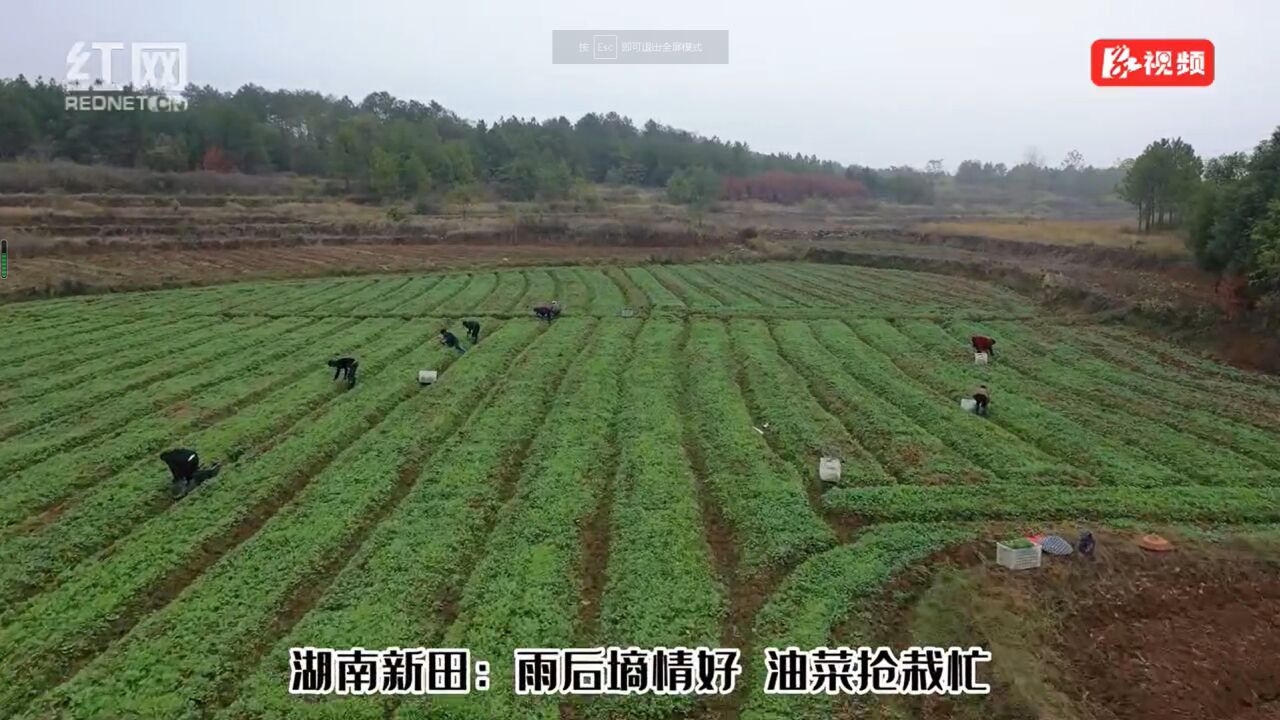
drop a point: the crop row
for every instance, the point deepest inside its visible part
(658, 295)
(765, 285)
(432, 298)
(1186, 361)
(691, 295)
(572, 290)
(389, 594)
(1120, 389)
(1147, 374)
(506, 295)
(634, 295)
(363, 298)
(226, 616)
(810, 290)
(819, 594)
(336, 296)
(97, 599)
(935, 358)
(481, 286)
(60, 363)
(727, 294)
(765, 502)
(815, 289)
(1190, 503)
(903, 448)
(522, 591)
(1073, 392)
(387, 304)
(150, 364)
(167, 405)
(805, 431)
(606, 294)
(112, 508)
(660, 587)
(541, 290)
(926, 290)
(911, 287)
(77, 339)
(276, 298)
(987, 445)
(273, 297)
(866, 288)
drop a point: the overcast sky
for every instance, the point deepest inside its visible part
(878, 83)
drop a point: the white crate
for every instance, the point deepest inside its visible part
(426, 377)
(968, 404)
(1018, 558)
(829, 469)
(980, 358)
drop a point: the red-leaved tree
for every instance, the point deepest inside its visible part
(787, 187)
(215, 161)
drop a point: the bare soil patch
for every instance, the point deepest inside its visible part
(1179, 636)
(1130, 635)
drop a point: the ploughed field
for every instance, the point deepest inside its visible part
(594, 481)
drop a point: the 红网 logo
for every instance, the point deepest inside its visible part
(157, 73)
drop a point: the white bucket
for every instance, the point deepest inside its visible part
(829, 469)
(426, 377)
(980, 358)
(968, 404)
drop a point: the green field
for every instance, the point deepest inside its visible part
(595, 481)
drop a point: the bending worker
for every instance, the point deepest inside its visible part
(547, 312)
(184, 464)
(984, 344)
(448, 339)
(346, 367)
(473, 330)
(981, 396)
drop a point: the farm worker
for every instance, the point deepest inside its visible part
(983, 344)
(346, 367)
(473, 330)
(981, 396)
(1086, 544)
(448, 339)
(547, 312)
(184, 464)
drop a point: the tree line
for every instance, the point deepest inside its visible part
(1228, 205)
(382, 145)
(392, 148)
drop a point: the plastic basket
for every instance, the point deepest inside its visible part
(426, 377)
(626, 312)
(980, 358)
(968, 404)
(1018, 558)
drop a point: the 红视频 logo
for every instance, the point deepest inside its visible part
(1152, 63)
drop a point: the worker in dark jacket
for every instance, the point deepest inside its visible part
(184, 465)
(548, 312)
(346, 367)
(473, 330)
(983, 344)
(981, 396)
(450, 340)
